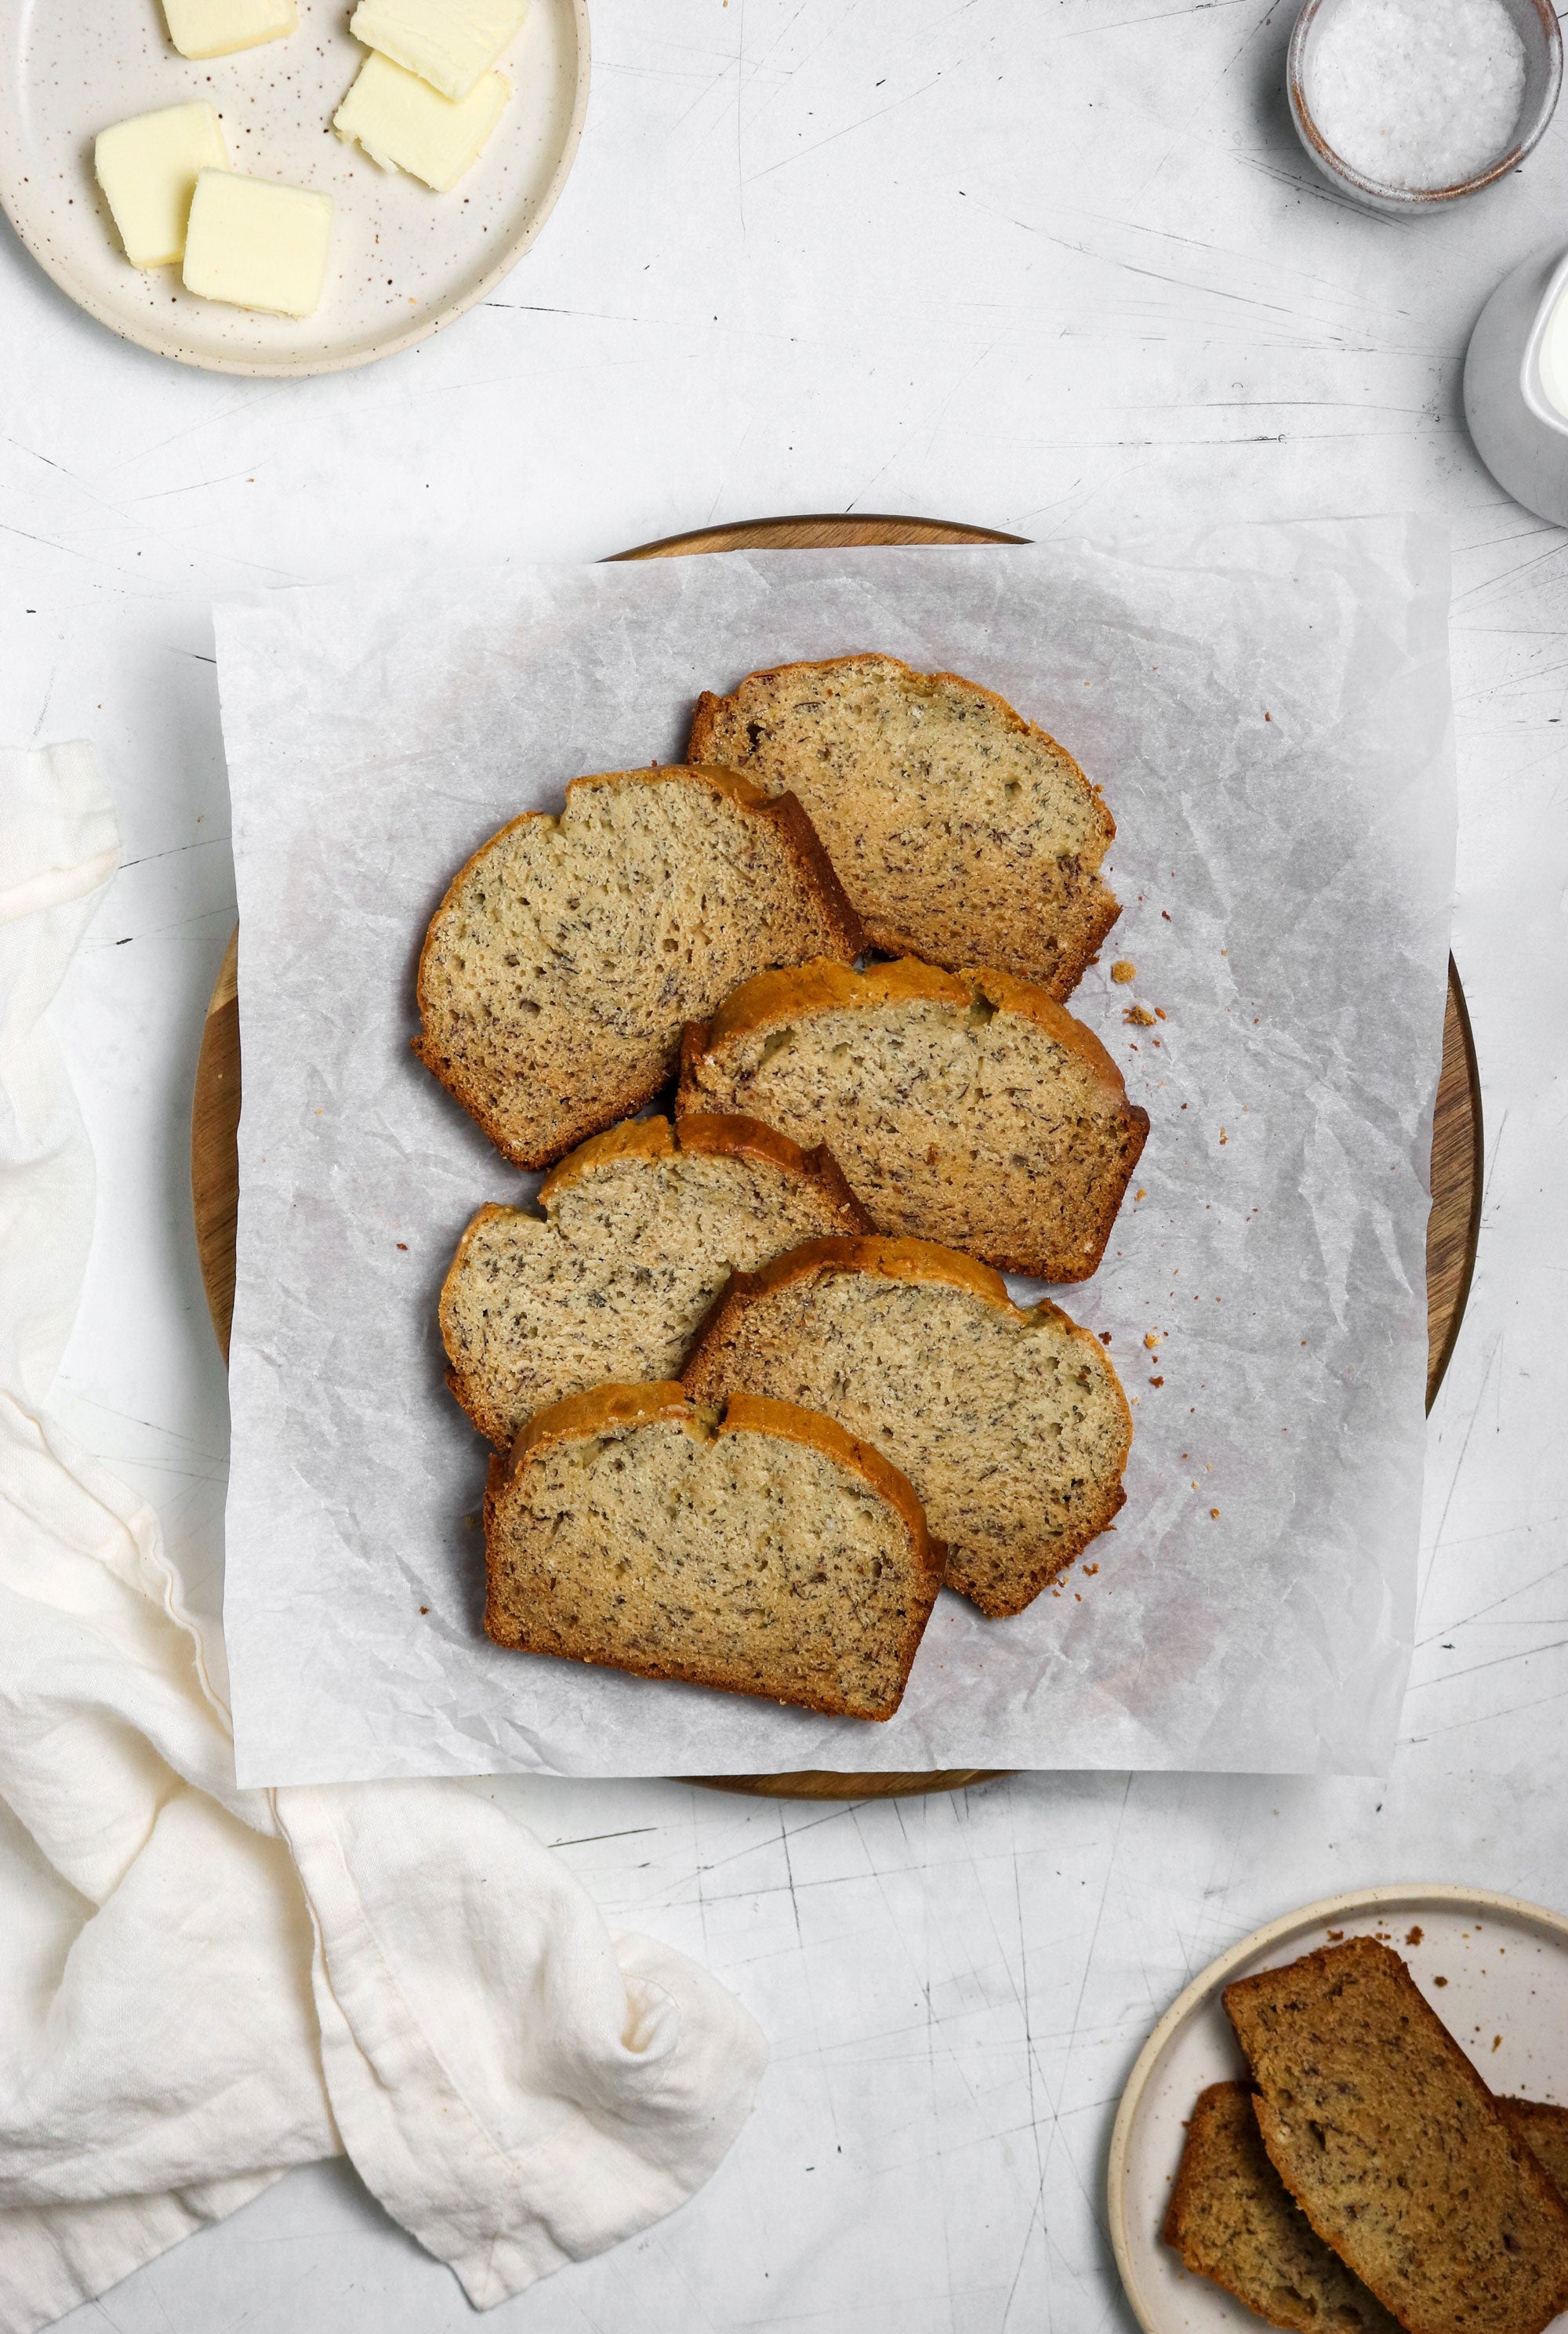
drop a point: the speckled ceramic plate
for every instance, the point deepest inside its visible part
(1494, 1969)
(404, 262)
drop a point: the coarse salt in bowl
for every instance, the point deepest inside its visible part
(1407, 103)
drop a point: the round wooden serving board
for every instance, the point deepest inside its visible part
(1451, 1233)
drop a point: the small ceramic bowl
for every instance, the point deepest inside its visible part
(1536, 24)
(1518, 432)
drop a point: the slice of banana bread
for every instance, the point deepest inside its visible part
(1546, 2129)
(966, 1108)
(963, 834)
(1395, 2149)
(1231, 2219)
(609, 1284)
(568, 952)
(1012, 1426)
(767, 1554)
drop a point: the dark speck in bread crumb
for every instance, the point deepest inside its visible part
(1440, 1981)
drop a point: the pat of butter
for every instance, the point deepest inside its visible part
(447, 43)
(146, 168)
(215, 28)
(257, 244)
(404, 124)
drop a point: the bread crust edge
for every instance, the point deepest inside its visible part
(704, 718)
(770, 999)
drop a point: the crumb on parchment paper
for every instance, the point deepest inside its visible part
(1123, 970)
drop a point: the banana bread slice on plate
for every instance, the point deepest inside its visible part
(1546, 2129)
(568, 952)
(1010, 1425)
(962, 833)
(764, 1552)
(1394, 2147)
(639, 1229)
(966, 1108)
(1232, 2219)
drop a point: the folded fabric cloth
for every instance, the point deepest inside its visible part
(204, 1986)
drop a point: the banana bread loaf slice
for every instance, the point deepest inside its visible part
(966, 1108)
(1546, 2130)
(1394, 2147)
(765, 1553)
(962, 834)
(1232, 2219)
(609, 1283)
(1012, 1426)
(568, 952)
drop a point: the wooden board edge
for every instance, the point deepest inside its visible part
(825, 1783)
(814, 531)
(1456, 1015)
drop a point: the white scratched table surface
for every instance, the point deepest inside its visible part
(1054, 266)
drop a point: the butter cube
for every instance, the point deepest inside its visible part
(257, 244)
(404, 124)
(146, 168)
(215, 28)
(447, 43)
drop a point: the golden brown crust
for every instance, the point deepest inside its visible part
(717, 774)
(603, 1410)
(786, 816)
(894, 1256)
(712, 1134)
(633, 1138)
(823, 986)
(704, 720)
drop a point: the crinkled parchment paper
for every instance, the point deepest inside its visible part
(1268, 710)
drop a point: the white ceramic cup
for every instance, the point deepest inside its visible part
(1518, 433)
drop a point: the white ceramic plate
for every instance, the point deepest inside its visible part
(1505, 1967)
(404, 262)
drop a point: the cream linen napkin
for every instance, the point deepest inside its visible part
(198, 1986)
